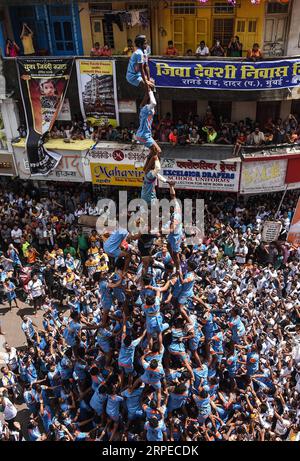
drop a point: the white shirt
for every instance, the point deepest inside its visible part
(202, 51)
(10, 410)
(35, 288)
(16, 235)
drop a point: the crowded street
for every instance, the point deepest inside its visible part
(149, 224)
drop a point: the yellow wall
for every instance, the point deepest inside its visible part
(200, 26)
(85, 24)
(251, 12)
(196, 27)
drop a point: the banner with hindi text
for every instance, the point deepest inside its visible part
(226, 75)
(43, 83)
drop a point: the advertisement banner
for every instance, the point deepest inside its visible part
(202, 174)
(265, 176)
(271, 231)
(70, 167)
(43, 84)
(114, 153)
(294, 231)
(97, 91)
(110, 174)
(226, 75)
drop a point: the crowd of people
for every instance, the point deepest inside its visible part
(193, 130)
(206, 350)
(233, 49)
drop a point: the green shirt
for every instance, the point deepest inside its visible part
(82, 242)
(70, 250)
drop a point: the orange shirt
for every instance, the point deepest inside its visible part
(31, 256)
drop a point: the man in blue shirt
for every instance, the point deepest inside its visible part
(138, 73)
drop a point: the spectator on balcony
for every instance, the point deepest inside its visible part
(173, 137)
(256, 138)
(167, 121)
(217, 49)
(189, 52)
(269, 137)
(27, 40)
(56, 133)
(211, 133)
(224, 136)
(111, 134)
(255, 54)
(171, 50)
(67, 132)
(202, 49)
(129, 49)
(291, 136)
(106, 50)
(77, 134)
(279, 134)
(193, 137)
(234, 48)
(163, 133)
(96, 50)
(11, 50)
(239, 143)
(290, 122)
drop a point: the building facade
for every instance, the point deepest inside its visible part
(71, 27)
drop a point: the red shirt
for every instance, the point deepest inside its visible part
(171, 51)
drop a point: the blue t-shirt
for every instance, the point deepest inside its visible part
(138, 57)
(115, 239)
(148, 189)
(113, 405)
(133, 400)
(126, 354)
(144, 131)
(155, 434)
(71, 333)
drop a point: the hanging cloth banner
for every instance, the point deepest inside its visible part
(43, 84)
(226, 75)
(97, 91)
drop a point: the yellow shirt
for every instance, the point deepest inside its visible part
(27, 44)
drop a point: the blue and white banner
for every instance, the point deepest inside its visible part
(226, 75)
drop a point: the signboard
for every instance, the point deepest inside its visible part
(110, 174)
(294, 231)
(226, 75)
(201, 174)
(97, 91)
(271, 231)
(114, 153)
(69, 169)
(43, 84)
(263, 176)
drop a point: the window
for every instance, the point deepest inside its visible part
(223, 30)
(63, 36)
(108, 33)
(252, 26)
(277, 8)
(241, 26)
(223, 8)
(97, 26)
(184, 8)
